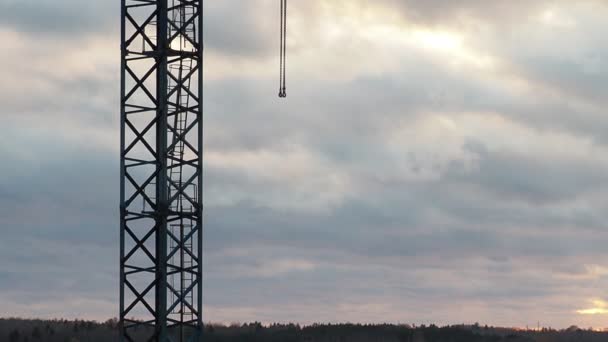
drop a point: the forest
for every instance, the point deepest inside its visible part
(21, 330)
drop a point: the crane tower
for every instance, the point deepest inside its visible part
(161, 170)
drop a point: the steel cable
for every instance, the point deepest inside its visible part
(283, 48)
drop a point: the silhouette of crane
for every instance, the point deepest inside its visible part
(161, 168)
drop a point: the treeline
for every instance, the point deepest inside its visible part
(19, 330)
(256, 332)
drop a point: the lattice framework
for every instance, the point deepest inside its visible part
(161, 171)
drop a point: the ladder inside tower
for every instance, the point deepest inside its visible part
(182, 268)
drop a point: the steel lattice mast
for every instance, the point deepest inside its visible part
(161, 222)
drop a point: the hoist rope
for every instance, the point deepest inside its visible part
(283, 53)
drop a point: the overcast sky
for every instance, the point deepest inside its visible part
(435, 161)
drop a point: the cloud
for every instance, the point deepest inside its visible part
(438, 12)
(428, 157)
(241, 29)
(600, 307)
(59, 18)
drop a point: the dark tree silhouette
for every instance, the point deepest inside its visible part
(16, 330)
(14, 336)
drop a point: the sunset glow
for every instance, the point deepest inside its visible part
(600, 307)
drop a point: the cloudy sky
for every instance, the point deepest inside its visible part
(435, 161)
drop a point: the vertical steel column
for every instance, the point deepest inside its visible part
(122, 209)
(201, 28)
(162, 185)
